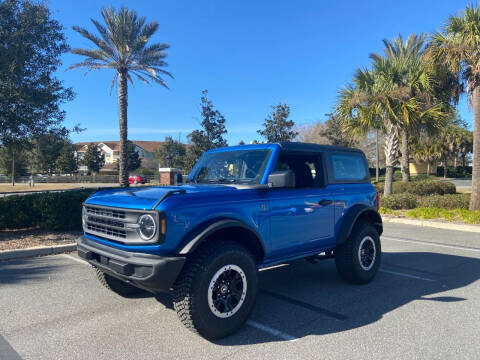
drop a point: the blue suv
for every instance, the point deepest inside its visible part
(242, 208)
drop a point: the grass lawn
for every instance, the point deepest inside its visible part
(22, 187)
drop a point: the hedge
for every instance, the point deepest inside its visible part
(399, 201)
(50, 211)
(409, 201)
(424, 187)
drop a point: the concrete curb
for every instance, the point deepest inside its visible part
(36, 251)
(433, 224)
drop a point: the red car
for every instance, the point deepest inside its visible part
(137, 179)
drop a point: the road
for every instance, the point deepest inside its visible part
(461, 184)
(424, 304)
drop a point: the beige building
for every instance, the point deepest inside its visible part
(111, 150)
(421, 168)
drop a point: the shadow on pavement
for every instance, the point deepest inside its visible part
(302, 299)
(33, 269)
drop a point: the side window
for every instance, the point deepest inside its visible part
(348, 167)
(307, 169)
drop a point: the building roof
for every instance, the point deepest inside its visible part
(148, 146)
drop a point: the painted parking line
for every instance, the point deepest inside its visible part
(271, 331)
(406, 275)
(430, 243)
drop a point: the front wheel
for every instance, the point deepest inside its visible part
(216, 291)
(358, 258)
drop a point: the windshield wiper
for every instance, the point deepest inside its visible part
(221, 180)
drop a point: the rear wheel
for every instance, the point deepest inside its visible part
(117, 286)
(216, 291)
(358, 258)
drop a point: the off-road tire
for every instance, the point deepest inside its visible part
(117, 286)
(347, 255)
(190, 296)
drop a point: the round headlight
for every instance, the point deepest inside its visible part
(147, 226)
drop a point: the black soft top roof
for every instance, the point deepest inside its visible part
(308, 147)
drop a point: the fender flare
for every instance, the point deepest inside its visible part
(350, 219)
(197, 236)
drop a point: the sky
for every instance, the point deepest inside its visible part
(248, 54)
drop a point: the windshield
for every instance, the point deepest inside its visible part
(239, 166)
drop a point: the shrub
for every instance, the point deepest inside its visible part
(449, 201)
(50, 211)
(399, 201)
(430, 188)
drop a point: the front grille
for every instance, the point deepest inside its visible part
(106, 222)
(113, 224)
(111, 213)
(106, 230)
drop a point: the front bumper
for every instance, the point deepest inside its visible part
(150, 272)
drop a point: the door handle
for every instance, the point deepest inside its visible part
(324, 202)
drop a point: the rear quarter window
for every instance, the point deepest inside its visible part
(348, 168)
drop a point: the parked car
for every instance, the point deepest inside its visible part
(137, 179)
(242, 208)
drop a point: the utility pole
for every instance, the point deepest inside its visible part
(13, 167)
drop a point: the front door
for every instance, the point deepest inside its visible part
(301, 218)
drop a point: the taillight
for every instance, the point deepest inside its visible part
(378, 201)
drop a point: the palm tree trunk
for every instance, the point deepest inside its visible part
(405, 156)
(444, 167)
(475, 198)
(122, 105)
(377, 170)
(428, 168)
(391, 147)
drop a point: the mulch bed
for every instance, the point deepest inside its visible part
(21, 239)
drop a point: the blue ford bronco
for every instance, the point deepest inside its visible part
(242, 208)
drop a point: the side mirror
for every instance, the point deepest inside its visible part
(178, 179)
(280, 179)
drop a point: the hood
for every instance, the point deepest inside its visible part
(145, 198)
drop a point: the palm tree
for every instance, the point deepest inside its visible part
(122, 46)
(427, 150)
(458, 47)
(411, 101)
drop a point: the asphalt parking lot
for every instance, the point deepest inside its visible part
(424, 304)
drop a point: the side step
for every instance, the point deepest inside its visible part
(323, 256)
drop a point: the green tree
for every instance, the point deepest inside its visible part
(412, 102)
(134, 161)
(211, 134)
(94, 159)
(335, 133)
(171, 153)
(46, 150)
(13, 160)
(31, 45)
(457, 47)
(123, 45)
(428, 149)
(277, 127)
(66, 162)
(396, 97)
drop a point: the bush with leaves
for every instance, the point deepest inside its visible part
(449, 201)
(399, 201)
(49, 211)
